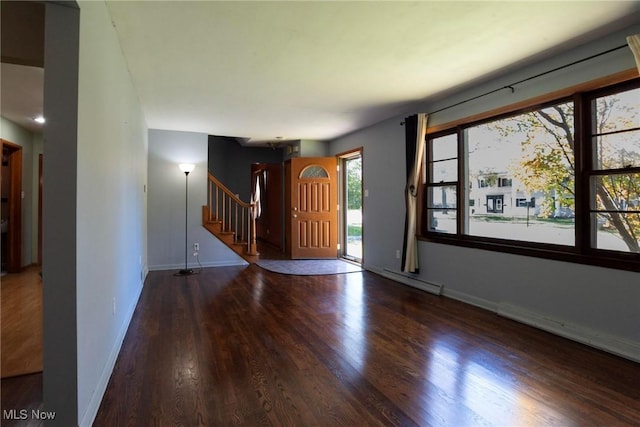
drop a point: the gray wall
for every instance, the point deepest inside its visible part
(31, 146)
(60, 342)
(305, 148)
(590, 304)
(167, 203)
(311, 148)
(383, 181)
(94, 249)
(231, 163)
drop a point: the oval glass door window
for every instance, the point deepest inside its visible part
(314, 171)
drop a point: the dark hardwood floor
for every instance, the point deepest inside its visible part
(243, 346)
(20, 396)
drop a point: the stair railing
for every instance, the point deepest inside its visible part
(234, 215)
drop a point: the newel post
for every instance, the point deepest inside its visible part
(252, 245)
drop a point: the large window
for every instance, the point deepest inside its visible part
(558, 180)
(526, 156)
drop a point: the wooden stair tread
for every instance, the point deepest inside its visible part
(228, 238)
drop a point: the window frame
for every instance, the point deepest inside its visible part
(581, 251)
(425, 185)
(590, 169)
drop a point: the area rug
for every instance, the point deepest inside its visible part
(309, 267)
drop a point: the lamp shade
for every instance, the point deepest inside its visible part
(186, 167)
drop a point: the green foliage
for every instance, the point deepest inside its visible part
(489, 176)
(354, 230)
(547, 162)
(354, 183)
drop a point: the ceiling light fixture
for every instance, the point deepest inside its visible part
(275, 144)
(39, 119)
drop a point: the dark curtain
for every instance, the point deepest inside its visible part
(411, 136)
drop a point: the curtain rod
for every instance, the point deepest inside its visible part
(511, 86)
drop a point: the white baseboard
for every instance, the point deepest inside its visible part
(101, 387)
(609, 343)
(144, 271)
(407, 279)
(164, 267)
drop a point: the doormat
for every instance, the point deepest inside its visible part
(309, 267)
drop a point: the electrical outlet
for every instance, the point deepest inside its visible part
(397, 253)
(196, 247)
(195, 254)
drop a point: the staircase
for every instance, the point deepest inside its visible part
(231, 220)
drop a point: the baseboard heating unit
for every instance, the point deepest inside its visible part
(408, 279)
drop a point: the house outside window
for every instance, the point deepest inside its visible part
(506, 155)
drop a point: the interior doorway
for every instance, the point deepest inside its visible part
(351, 205)
(267, 179)
(11, 207)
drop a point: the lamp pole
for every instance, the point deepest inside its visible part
(186, 168)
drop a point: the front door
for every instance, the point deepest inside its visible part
(312, 203)
(495, 204)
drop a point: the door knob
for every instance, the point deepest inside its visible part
(295, 216)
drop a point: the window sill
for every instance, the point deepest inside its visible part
(606, 259)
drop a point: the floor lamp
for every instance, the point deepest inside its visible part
(186, 168)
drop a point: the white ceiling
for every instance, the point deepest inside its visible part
(21, 93)
(318, 70)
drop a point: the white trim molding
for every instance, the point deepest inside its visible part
(470, 299)
(163, 267)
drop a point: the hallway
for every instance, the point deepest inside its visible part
(21, 306)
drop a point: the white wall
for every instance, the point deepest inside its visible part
(111, 204)
(166, 217)
(595, 305)
(12, 132)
